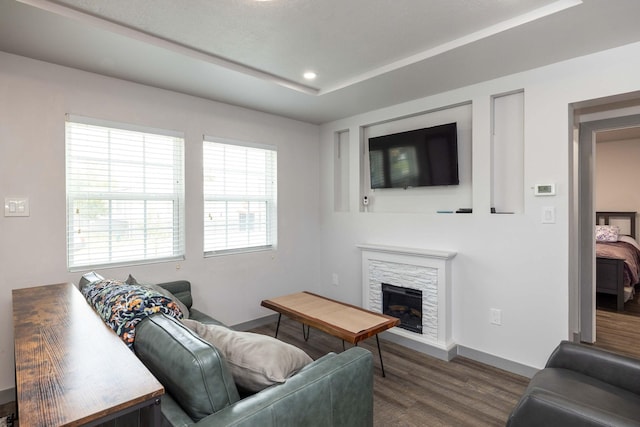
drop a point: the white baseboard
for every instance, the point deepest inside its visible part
(8, 395)
(422, 347)
(459, 350)
(245, 326)
(497, 362)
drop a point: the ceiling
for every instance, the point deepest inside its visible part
(367, 54)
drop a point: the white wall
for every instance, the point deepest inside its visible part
(34, 98)
(617, 176)
(510, 262)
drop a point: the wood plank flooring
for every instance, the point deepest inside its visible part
(420, 390)
(6, 410)
(618, 332)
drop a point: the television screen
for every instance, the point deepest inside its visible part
(417, 158)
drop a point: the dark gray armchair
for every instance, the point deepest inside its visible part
(581, 386)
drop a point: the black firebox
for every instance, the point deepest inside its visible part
(405, 304)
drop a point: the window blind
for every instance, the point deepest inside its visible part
(240, 196)
(125, 194)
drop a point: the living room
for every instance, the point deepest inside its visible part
(514, 263)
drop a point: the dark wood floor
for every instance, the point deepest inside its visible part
(7, 409)
(420, 390)
(618, 331)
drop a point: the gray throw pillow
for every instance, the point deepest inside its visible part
(256, 361)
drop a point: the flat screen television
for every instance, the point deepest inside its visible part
(416, 158)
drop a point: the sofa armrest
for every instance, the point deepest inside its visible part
(190, 369)
(181, 289)
(336, 390)
(544, 408)
(611, 368)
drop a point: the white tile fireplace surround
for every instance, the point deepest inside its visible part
(426, 270)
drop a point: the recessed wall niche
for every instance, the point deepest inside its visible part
(341, 171)
(420, 199)
(507, 153)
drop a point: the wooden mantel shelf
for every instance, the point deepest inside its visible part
(427, 253)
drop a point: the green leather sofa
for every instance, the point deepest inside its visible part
(335, 390)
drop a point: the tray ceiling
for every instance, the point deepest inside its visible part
(367, 54)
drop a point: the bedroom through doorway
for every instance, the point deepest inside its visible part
(607, 137)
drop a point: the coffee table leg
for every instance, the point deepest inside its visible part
(278, 325)
(306, 334)
(380, 354)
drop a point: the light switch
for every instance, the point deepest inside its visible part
(548, 215)
(16, 206)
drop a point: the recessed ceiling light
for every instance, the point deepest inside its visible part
(309, 75)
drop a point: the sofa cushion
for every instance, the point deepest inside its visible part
(192, 371)
(123, 306)
(256, 361)
(594, 394)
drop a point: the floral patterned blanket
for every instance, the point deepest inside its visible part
(122, 306)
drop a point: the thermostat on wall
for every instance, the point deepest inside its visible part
(544, 190)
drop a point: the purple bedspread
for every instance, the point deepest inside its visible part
(626, 251)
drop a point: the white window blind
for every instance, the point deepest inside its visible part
(125, 194)
(240, 196)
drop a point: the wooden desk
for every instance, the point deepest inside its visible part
(71, 368)
(345, 321)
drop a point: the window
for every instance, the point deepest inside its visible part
(240, 187)
(125, 194)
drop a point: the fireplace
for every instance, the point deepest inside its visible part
(424, 269)
(404, 304)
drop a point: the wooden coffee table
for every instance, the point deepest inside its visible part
(344, 321)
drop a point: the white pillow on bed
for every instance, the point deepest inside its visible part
(630, 240)
(607, 233)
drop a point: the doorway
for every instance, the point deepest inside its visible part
(590, 119)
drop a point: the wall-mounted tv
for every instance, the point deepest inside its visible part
(416, 158)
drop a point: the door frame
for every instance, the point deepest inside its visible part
(586, 217)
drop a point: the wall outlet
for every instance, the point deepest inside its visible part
(334, 279)
(496, 316)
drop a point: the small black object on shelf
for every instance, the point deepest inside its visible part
(464, 210)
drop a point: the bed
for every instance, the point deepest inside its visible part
(617, 256)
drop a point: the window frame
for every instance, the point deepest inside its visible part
(270, 200)
(176, 197)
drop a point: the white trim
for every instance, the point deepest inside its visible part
(240, 143)
(427, 253)
(91, 121)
